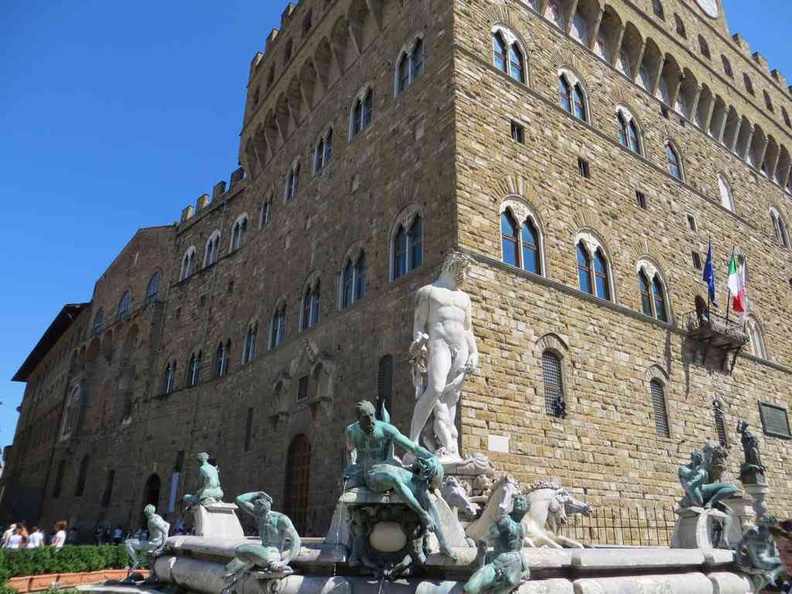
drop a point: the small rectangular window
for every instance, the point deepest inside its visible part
(517, 132)
(302, 388)
(696, 260)
(584, 168)
(640, 199)
(775, 420)
(691, 220)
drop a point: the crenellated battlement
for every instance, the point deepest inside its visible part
(219, 191)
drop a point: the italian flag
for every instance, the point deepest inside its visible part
(736, 284)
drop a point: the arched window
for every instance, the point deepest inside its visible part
(212, 250)
(169, 378)
(222, 359)
(297, 483)
(601, 277)
(579, 29)
(194, 369)
(310, 307)
(239, 229)
(82, 477)
(507, 55)
(292, 181)
(704, 47)
(98, 324)
(584, 269)
(727, 200)
(756, 337)
(779, 228)
(510, 241)
(360, 117)
(658, 290)
(407, 248)
(748, 83)
(680, 26)
(674, 164)
(58, 485)
(249, 343)
(385, 382)
(323, 151)
(573, 98)
(353, 280)
(785, 115)
(659, 408)
(278, 326)
(658, 9)
(629, 134)
(768, 101)
(124, 306)
(530, 247)
(152, 291)
(188, 264)
(646, 297)
(555, 402)
(72, 413)
(410, 66)
(727, 69)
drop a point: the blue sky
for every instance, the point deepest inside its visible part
(114, 116)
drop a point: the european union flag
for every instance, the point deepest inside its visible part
(709, 275)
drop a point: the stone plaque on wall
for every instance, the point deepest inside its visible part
(775, 420)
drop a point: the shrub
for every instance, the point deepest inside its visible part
(69, 559)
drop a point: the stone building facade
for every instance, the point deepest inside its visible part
(583, 152)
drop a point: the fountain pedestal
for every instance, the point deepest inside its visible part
(218, 519)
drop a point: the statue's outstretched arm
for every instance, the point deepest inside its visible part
(408, 444)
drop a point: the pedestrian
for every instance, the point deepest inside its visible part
(60, 535)
(8, 534)
(18, 539)
(36, 538)
(99, 535)
(71, 536)
(118, 535)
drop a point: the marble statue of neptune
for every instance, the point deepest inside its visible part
(443, 352)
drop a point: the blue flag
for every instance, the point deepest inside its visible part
(709, 275)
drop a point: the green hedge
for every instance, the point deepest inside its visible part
(69, 559)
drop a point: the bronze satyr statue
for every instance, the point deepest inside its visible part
(210, 491)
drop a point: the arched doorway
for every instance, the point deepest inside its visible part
(298, 471)
(151, 494)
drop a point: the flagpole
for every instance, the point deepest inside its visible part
(709, 251)
(728, 289)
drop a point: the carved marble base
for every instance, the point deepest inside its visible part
(698, 528)
(218, 519)
(746, 517)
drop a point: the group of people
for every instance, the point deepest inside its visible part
(17, 536)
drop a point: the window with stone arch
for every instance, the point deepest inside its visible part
(727, 68)
(238, 232)
(410, 65)
(657, 392)
(756, 337)
(779, 227)
(152, 290)
(768, 101)
(311, 300)
(187, 264)
(222, 358)
(724, 189)
(785, 116)
(508, 55)
(674, 162)
(292, 181)
(212, 249)
(124, 306)
(572, 94)
(265, 212)
(653, 290)
(593, 266)
(194, 369)
(353, 279)
(323, 150)
(657, 6)
(71, 413)
(98, 324)
(278, 324)
(748, 83)
(249, 342)
(407, 244)
(169, 378)
(522, 242)
(362, 111)
(629, 131)
(553, 350)
(704, 47)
